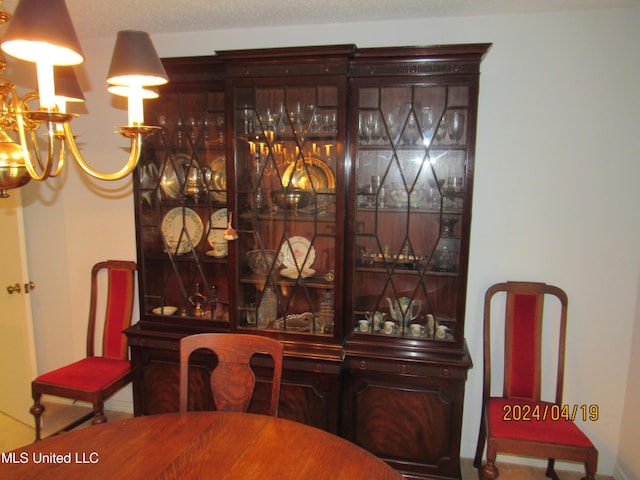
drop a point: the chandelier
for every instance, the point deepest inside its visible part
(35, 130)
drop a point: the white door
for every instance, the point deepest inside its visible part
(17, 348)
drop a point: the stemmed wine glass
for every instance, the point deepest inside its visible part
(456, 126)
(410, 134)
(373, 124)
(441, 132)
(364, 129)
(389, 131)
(247, 120)
(426, 124)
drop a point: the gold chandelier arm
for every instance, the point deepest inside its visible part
(134, 156)
(52, 137)
(62, 154)
(28, 160)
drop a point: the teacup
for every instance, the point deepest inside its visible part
(388, 328)
(416, 329)
(441, 332)
(220, 249)
(364, 325)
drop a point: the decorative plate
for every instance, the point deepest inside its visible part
(182, 229)
(217, 179)
(218, 225)
(297, 253)
(173, 177)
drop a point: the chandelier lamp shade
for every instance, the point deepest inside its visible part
(41, 32)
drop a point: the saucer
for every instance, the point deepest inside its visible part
(294, 273)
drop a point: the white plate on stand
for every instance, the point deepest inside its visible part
(297, 254)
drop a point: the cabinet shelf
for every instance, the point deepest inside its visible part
(316, 281)
(411, 148)
(189, 257)
(404, 271)
(405, 209)
(290, 217)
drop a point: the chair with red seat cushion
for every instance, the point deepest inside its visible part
(96, 378)
(518, 421)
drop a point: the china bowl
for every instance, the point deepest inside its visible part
(260, 261)
(165, 310)
(291, 199)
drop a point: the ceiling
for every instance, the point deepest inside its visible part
(101, 19)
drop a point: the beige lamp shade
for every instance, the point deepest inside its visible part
(67, 85)
(123, 91)
(135, 61)
(42, 31)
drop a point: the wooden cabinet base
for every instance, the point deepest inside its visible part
(309, 392)
(407, 412)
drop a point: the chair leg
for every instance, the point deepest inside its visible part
(590, 466)
(551, 473)
(36, 410)
(489, 471)
(477, 461)
(98, 413)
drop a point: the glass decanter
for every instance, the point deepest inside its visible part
(445, 255)
(268, 308)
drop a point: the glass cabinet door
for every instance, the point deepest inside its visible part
(181, 210)
(410, 177)
(288, 169)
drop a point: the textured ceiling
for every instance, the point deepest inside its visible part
(102, 18)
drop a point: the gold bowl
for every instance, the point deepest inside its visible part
(291, 199)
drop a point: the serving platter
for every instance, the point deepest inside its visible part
(173, 175)
(313, 175)
(217, 179)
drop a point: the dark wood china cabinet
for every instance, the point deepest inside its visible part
(347, 175)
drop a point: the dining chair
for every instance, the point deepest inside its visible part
(95, 378)
(232, 380)
(517, 420)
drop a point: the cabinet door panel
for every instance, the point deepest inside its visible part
(299, 401)
(407, 420)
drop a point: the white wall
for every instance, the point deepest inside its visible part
(628, 464)
(555, 190)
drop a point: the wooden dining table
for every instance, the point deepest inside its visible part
(195, 445)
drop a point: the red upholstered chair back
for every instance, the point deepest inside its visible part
(120, 279)
(523, 336)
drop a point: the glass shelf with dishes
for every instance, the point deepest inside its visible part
(181, 209)
(287, 149)
(409, 175)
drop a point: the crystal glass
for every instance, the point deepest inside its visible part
(456, 126)
(445, 256)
